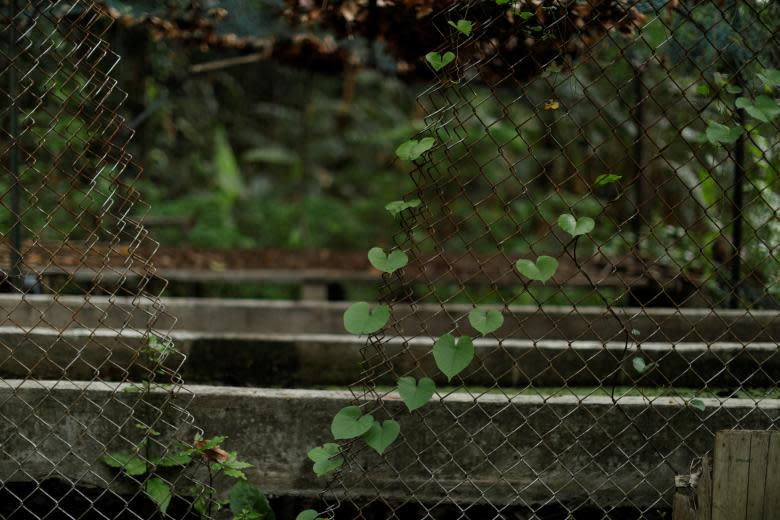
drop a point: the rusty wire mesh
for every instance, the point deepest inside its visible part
(555, 418)
(88, 375)
(552, 419)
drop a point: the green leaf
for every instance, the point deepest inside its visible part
(326, 458)
(462, 26)
(525, 15)
(439, 61)
(412, 149)
(770, 77)
(542, 270)
(703, 89)
(245, 497)
(160, 493)
(485, 320)
(451, 357)
(350, 423)
(228, 173)
(697, 404)
(763, 108)
(232, 467)
(359, 318)
(309, 514)
(397, 206)
(132, 465)
(639, 364)
(721, 134)
(415, 394)
(502, 2)
(576, 227)
(181, 458)
(380, 436)
(607, 178)
(387, 263)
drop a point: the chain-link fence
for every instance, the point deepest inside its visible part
(613, 370)
(91, 404)
(603, 176)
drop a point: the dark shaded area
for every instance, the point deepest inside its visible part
(58, 499)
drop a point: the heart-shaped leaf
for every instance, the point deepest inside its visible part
(721, 134)
(360, 318)
(380, 436)
(397, 206)
(387, 263)
(416, 394)
(542, 270)
(486, 320)
(309, 514)
(160, 493)
(412, 149)
(462, 26)
(607, 178)
(326, 458)
(698, 404)
(350, 423)
(576, 227)
(439, 61)
(641, 366)
(451, 357)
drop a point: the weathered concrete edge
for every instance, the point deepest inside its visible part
(315, 360)
(326, 317)
(255, 419)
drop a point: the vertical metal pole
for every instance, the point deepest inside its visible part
(16, 190)
(638, 117)
(736, 213)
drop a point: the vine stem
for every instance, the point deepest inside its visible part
(626, 336)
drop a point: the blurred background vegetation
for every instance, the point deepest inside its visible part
(276, 155)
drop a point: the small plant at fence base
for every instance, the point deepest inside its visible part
(244, 500)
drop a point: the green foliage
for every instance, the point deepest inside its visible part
(360, 318)
(397, 206)
(438, 61)
(416, 394)
(453, 357)
(413, 149)
(697, 404)
(485, 321)
(462, 26)
(309, 514)
(387, 263)
(544, 268)
(641, 366)
(381, 436)
(576, 227)
(606, 178)
(326, 458)
(762, 108)
(160, 492)
(247, 502)
(232, 467)
(350, 423)
(718, 134)
(131, 465)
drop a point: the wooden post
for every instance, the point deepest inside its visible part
(744, 483)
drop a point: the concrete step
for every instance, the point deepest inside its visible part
(470, 447)
(289, 317)
(322, 360)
